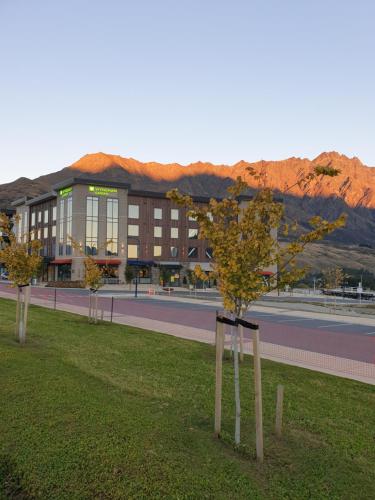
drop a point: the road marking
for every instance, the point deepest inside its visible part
(299, 319)
(335, 326)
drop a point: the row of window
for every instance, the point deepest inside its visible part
(133, 230)
(43, 216)
(159, 251)
(37, 234)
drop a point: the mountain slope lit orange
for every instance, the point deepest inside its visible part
(355, 185)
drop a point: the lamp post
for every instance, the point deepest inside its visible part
(136, 283)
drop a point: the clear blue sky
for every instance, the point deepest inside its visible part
(184, 80)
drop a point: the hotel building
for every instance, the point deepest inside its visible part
(116, 225)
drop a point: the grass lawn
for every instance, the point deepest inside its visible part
(109, 411)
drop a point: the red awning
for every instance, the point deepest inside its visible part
(61, 261)
(108, 262)
(267, 273)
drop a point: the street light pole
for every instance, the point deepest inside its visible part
(136, 284)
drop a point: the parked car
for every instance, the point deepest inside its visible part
(4, 275)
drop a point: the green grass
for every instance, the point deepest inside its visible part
(109, 411)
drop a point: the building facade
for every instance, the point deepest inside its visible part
(116, 225)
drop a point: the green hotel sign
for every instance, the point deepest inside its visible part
(101, 190)
(65, 192)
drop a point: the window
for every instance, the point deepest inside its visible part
(192, 218)
(158, 231)
(210, 216)
(46, 216)
(193, 252)
(174, 232)
(32, 235)
(175, 213)
(69, 226)
(133, 230)
(157, 251)
(61, 227)
(208, 252)
(54, 231)
(112, 226)
(39, 234)
(132, 251)
(193, 234)
(174, 252)
(54, 213)
(39, 216)
(91, 244)
(158, 213)
(33, 219)
(133, 211)
(45, 233)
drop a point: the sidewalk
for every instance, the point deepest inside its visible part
(333, 365)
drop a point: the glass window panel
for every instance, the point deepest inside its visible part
(157, 251)
(209, 253)
(174, 251)
(193, 234)
(46, 216)
(174, 232)
(158, 231)
(175, 213)
(133, 230)
(132, 251)
(133, 211)
(158, 213)
(193, 252)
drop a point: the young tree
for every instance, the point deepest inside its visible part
(333, 277)
(22, 260)
(243, 239)
(92, 280)
(129, 275)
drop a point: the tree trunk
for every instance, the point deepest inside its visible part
(237, 433)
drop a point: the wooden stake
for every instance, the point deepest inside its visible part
(21, 319)
(237, 433)
(18, 313)
(258, 397)
(26, 311)
(90, 306)
(219, 376)
(279, 409)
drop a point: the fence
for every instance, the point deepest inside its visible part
(341, 354)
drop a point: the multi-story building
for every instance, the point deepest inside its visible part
(116, 225)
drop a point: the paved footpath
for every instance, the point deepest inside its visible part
(186, 318)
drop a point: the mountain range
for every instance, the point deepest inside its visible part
(353, 191)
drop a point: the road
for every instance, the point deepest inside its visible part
(338, 338)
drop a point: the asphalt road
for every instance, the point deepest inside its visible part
(338, 338)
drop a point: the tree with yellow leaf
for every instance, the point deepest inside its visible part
(242, 233)
(92, 280)
(22, 260)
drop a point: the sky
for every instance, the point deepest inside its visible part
(184, 80)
